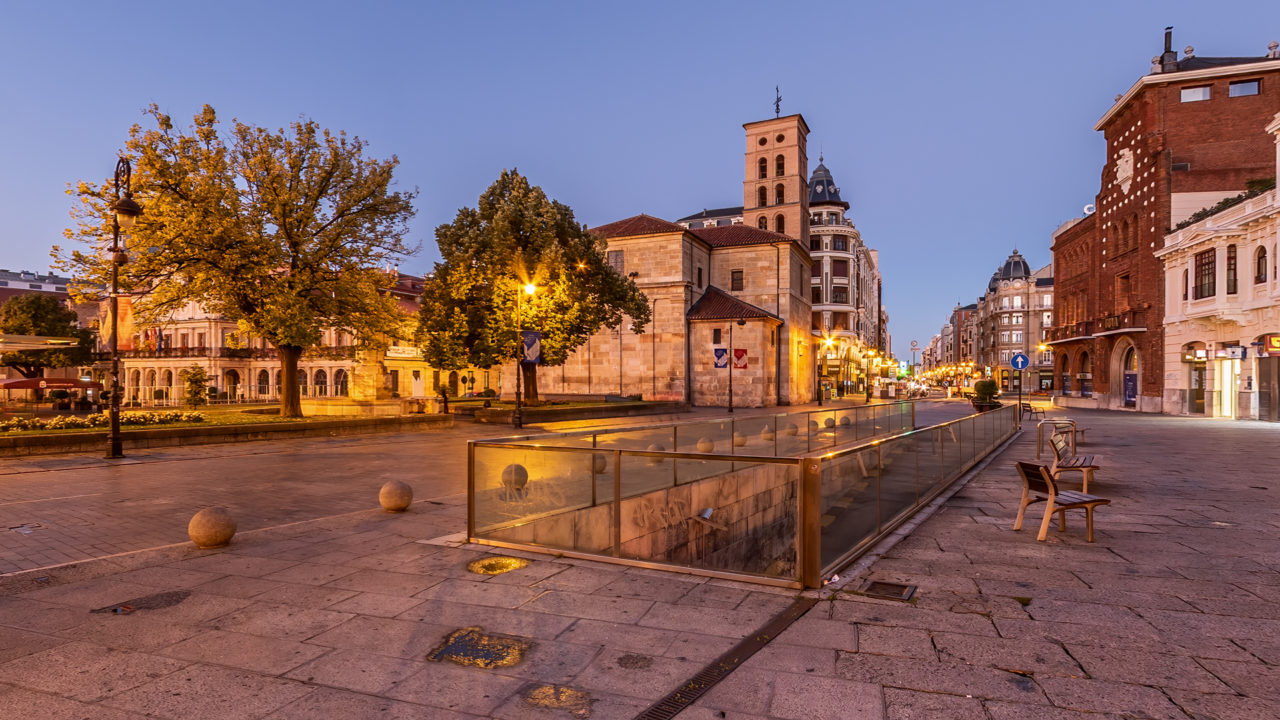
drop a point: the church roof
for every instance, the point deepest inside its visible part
(716, 304)
(716, 213)
(637, 225)
(735, 235)
(822, 188)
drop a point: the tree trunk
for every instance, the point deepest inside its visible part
(290, 402)
(530, 373)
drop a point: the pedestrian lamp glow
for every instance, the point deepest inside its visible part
(126, 211)
(530, 289)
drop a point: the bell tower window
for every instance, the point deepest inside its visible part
(764, 168)
(781, 166)
(779, 194)
(762, 222)
(762, 195)
(779, 224)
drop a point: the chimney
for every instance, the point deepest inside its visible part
(1169, 58)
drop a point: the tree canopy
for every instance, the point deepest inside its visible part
(514, 237)
(286, 232)
(43, 314)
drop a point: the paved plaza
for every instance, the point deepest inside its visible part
(1173, 613)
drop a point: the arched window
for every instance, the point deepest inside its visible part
(322, 383)
(764, 168)
(779, 224)
(762, 196)
(168, 378)
(780, 168)
(762, 222)
(340, 383)
(302, 382)
(264, 383)
(779, 194)
(1260, 266)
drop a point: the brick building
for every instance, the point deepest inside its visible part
(1180, 139)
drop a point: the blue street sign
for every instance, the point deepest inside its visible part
(1019, 361)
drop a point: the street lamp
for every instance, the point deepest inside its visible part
(871, 356)
(653, 349)
(739, 323)
(517, 419)
(124, 212)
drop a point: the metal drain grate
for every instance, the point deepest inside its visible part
(692, 689)
(888, 590)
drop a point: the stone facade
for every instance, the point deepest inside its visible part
(1181, 138)
(1013, 317)
(1222, 311)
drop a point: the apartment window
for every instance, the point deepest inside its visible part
(815, 321)
(715, 336)
(1017, 301)
(200, 340)
(1004, 302)
(615, 260)
(840, 321)
(1260, 266)
(1017, 318)
(817, 269)
(1016, 336)
(1046, 319)
(815, 242)
(840, 243)
(1240, 88)
(816, 294)
(1195, 94)
(1004, 319)
(1184, 284)
(735, 280)
(1231, 269)
(840, 268)
(1206, 275)
(1004, 336)
(1046, 301)
(840, 295)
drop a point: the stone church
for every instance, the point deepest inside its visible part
(730, 297)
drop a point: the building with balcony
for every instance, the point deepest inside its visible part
(1222, 310)
(844, 291)
(1181, 138)
(1013, 316)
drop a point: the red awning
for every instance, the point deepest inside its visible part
(48, 384)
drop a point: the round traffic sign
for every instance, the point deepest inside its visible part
(1019, 361)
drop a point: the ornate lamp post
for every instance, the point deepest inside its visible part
(740, 322)
(124, 212)
(517, 418)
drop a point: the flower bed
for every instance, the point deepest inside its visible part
(72, 422)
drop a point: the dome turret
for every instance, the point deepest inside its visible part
(822, 188)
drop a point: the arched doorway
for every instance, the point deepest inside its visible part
(322, 383)
(231, 384)
(1129, 377)
(264, 383)
(340, 382)
(453, 384)
(1064, 374)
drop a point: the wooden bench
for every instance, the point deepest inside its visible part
(1032, 410)
(1064, 460)
(1038, 486)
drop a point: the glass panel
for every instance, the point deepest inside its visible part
(849, 511)
(513, 486)
(897, 478)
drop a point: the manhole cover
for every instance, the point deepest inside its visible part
(888, 590)
(559, 697)
(146, 602)
(471, 646)
(496, 565)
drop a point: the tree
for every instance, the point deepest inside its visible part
(285, 232)
(195, 386)
(516, 236)
(43, 314)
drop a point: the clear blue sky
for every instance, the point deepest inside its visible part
(957, 130)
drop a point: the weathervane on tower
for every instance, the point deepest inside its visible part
(777, 102)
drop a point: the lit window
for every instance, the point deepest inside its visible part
(1240, 88)
(1195, 94)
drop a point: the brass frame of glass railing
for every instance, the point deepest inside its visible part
(812, 572)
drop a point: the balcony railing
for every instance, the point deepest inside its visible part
(1121, 321)
(345, 352)
(1064, 332)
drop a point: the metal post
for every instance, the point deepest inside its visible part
(619, 360)
(617, 503)
(730, 367)
(517, 418)
(653, 348)
(122, 206)
(471, 489)
(809, 552)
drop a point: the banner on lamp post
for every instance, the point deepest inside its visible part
(531, 347)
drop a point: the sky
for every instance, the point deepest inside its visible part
(957, 131)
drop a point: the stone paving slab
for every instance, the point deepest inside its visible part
(336, 617)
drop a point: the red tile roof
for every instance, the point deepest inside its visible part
(732, 235)
(716, 304)
(639, 225)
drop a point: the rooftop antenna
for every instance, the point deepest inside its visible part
(777, 101)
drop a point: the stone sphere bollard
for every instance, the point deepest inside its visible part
(845, 421)
(395, 496)
(793, 429)
(599, 462)
(829, 422)
(739, 439)
(766, 434)
(655, 447)
(515, 478)
(211, 527)
(813, 424)
(705, 445)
